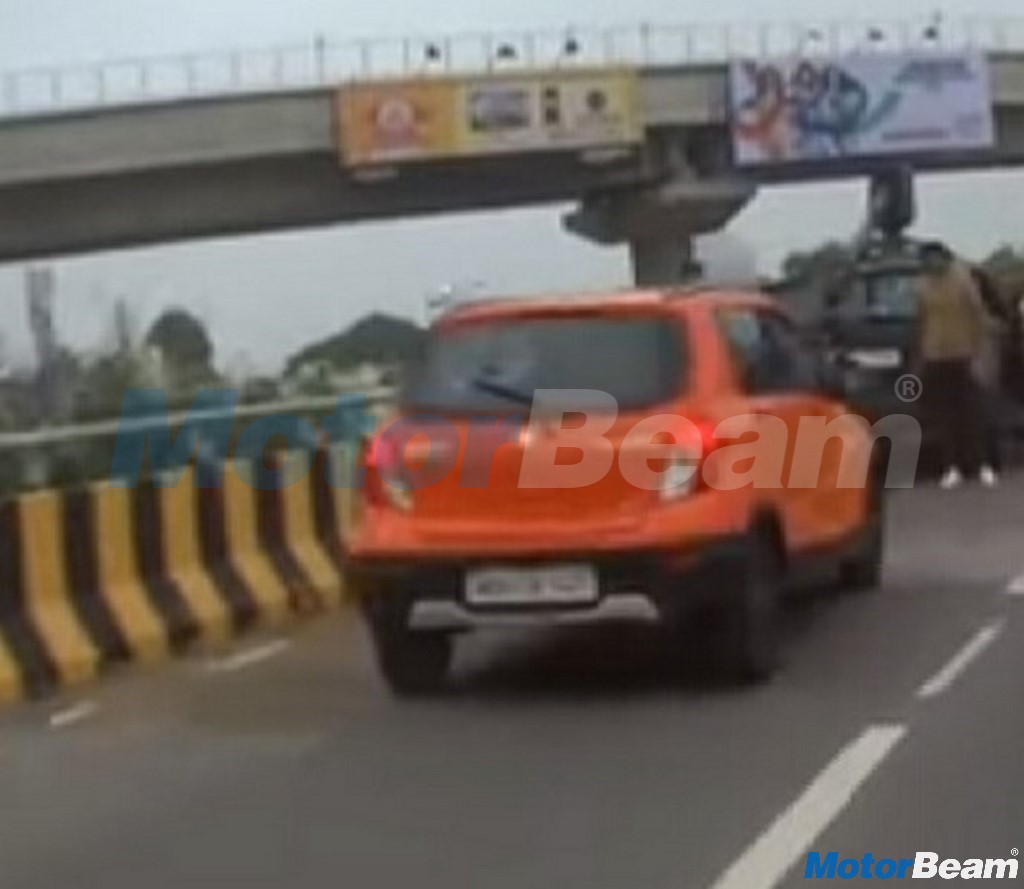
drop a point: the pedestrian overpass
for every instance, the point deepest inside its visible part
(153, 151)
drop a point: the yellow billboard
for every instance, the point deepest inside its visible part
(492, 114)
(396, 121)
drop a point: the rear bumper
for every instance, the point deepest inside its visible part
(450, 615)
(634, 587)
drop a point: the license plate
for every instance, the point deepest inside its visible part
(554, 585)
(876, 359)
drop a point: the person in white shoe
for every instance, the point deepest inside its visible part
(951, 340)
(988, 369)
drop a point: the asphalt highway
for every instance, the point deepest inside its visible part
(897, 726)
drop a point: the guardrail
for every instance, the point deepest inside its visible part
(321, 61)
(72, 455)
(97, 575)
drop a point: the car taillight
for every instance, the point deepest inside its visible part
(680, 476)
(682, 468)
(381, 464)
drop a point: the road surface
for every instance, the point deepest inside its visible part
(568, 761)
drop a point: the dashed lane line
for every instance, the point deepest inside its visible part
(959, 663)
(73, 715)
(249, 657)
(764, 864)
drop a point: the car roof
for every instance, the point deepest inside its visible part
(686, 298)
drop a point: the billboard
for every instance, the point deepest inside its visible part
(798, 110)
(397, 121)
(558, 110)
(429, 119)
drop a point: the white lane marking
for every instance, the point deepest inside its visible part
(73, 715)
(250, 656)
(1016, 587)
(765, 863)
(942, 680)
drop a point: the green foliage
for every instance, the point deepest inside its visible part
(182, 341)
(1006, 265)
(822, 266)
(376, 339)
(101, 386)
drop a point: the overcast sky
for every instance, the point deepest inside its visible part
(265, 296)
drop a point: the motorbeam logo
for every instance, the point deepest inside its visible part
(923, 866)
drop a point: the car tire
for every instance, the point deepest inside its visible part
(864, 571)
(414, 664)
(752, 632)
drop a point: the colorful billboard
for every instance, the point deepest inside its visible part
(564, 109)
(494, 114)
(399, 121)
(861, 105)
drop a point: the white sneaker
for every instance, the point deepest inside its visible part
(953, 478)
(988, 477)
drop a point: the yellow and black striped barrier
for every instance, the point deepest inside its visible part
(102, 575)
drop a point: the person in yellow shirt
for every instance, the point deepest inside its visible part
(952, 341)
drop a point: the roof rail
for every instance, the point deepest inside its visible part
(568, 297)
(694, 288)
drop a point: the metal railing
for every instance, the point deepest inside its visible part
(321, 62)
(73, 455)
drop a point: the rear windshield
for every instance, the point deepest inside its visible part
(883, 297)
(497, 366)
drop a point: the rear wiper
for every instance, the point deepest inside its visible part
(499, 390)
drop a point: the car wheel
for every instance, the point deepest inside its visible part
(864, 571)
(752, 646)
(414, 664)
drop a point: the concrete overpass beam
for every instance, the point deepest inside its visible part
(660, 222)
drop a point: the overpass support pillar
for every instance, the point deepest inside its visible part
(660, 222)
(662, 260)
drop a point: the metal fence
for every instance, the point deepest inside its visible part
(321, 61)
(74, 455)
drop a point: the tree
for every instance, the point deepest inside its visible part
(185, 350)
(821, 266)
(1006, 265)
(376, 339)
(182, 340)
(102, 384)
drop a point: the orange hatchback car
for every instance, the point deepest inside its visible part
(636, 457)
